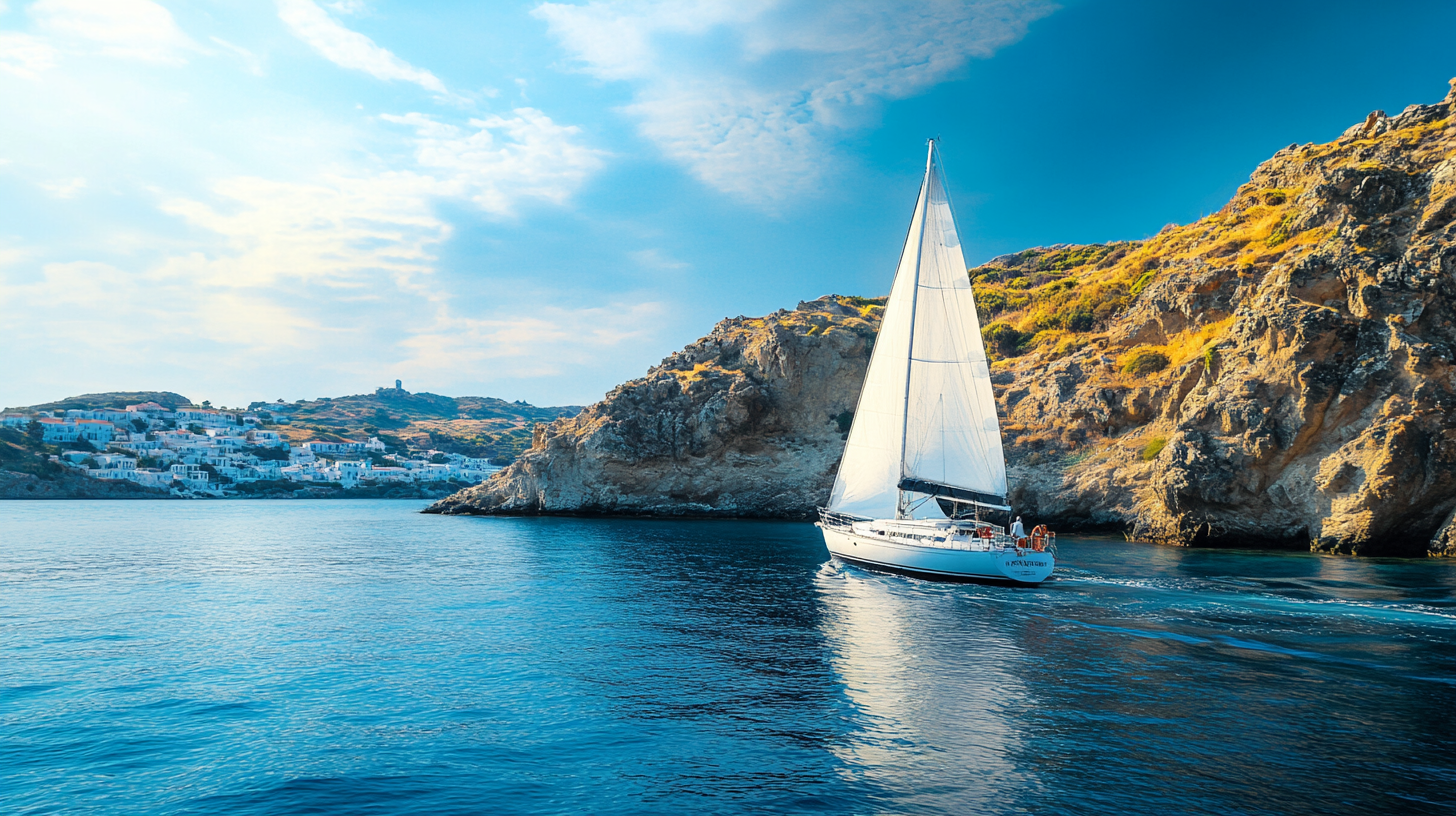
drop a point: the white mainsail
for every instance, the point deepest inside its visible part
(926, 419)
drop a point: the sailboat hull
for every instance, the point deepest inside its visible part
(1008, 565)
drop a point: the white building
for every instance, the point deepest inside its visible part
(265, 439)
(189, 476)
(316, 447)
(115, 461)
(391, 475)
(206, 417)
(149, 411)
(59, 431)
(150, 477)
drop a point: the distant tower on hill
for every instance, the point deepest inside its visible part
(399, 385)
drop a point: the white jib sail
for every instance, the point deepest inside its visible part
(926, 410)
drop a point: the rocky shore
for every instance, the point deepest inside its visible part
(1277, 374)
(71, 486)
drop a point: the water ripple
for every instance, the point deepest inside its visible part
(356, 657)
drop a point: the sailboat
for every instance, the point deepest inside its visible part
(925, 437)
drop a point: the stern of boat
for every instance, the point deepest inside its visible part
(1027, 566)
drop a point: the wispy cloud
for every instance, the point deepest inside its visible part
(350, 49)
(545, 343)
(341, 231)
(99, 307)
(67, 188)
(24, 55)
(501, 160)
(131, 29)
(656, 259)
(748, 93)
(251, 61)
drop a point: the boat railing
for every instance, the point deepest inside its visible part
(829, 518)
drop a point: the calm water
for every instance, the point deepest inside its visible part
(355, 657)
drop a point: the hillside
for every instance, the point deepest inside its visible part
(111, 399)
(1277, 374)
(474, 426)
(24, 475)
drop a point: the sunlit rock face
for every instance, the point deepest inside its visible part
(747, 422)
(1307, 396)
(1279, 373)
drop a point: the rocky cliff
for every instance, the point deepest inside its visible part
(748, 421)
(1279, 373)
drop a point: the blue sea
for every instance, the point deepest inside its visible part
(356, 657)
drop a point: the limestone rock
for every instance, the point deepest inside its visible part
(1321, 412)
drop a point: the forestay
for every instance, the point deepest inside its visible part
(926, 415)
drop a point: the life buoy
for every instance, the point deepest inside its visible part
(984, 532)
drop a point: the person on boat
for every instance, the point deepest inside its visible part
(1017, 531)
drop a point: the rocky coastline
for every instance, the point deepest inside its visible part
(1277, 374)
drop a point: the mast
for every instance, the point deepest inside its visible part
(914, 301)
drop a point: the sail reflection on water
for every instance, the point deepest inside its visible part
(935, 702)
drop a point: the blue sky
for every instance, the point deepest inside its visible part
(243, 199)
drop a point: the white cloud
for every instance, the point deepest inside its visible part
(347, 6)
(350, 49)
(24, 55)
(66, 188)
(132, 29)
(747, 93)
(504, 160)
(12, 255)
(542, 344)
(335, 269)
(656, 259)
(102, 307)
(250, 60)
(335, 278)
(342, 231)
(204, 238)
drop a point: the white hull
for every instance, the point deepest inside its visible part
(1006, 564)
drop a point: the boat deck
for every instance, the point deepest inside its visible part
(963, 535)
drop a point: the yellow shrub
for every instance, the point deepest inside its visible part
(1143, 361)
(1153, 448)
